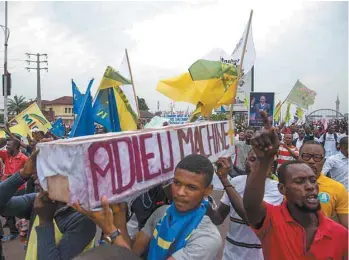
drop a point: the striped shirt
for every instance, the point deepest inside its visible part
(285, 155)
(241, 242)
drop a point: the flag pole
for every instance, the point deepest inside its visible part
(133, 85)
(287, 97)
(231, 130)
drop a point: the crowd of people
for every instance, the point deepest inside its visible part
(285, 191)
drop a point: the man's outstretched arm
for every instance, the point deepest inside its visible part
(265, 144)
(19, 205)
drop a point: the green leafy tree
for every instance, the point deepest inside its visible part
(17, 105)
(142, 105)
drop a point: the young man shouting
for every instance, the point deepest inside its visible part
(173, 232)
(296, 229)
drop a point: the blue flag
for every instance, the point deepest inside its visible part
(58, 128)
(77, 97)
(105, 110)
(84, 123)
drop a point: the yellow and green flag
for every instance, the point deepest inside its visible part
(301, 96)
(288, 113)
(33, 118)
(209, 83)
(21, 129)
(277, 114)
(299, 113)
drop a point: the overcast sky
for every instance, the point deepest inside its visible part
(293, 40)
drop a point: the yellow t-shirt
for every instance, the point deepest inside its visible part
(32, 248)
(333, 196)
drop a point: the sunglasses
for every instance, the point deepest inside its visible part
(308, 156)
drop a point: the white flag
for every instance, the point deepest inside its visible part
(127, 89)
(245, 84)
(250, 53)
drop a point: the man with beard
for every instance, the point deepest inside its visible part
(296, 229)
(304, 135)
(242, 149)
(241, 242)
(332, 194)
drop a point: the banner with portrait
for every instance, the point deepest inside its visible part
(260, 101)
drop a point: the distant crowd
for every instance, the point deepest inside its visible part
(285, 194)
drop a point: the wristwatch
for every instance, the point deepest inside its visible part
(111, 238)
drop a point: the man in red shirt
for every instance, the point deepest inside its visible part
(13, 161)
(296, 229)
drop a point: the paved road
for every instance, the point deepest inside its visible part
(14, 250)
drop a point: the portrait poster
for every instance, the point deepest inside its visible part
(260, 101)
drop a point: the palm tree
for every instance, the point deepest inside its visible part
(16, 105)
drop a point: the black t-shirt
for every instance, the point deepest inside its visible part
(144, 205)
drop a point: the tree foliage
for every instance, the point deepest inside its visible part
(142, 104)
(17, 105)
(219, 117)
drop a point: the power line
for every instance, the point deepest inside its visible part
(38, 69)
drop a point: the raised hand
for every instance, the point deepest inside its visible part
(282, 125)
(253, 101)
(103, 218)
(29, 167)
(307, 129)
(44, 207)
(223, 167)
(266, 142)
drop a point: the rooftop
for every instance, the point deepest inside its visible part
(65, 100)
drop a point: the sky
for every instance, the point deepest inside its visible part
(293, 40)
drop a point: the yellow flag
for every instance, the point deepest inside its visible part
(33, 118)
(288, 113)
(180, 88)
(209, 83)
(277, 110)
(299, 112)
(21, 128)
(246, 102)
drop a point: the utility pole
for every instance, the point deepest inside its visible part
(7, 35)
(38, 68)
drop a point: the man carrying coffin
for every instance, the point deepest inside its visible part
(56, 231)
(181, 230)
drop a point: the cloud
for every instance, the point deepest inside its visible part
(292, 39)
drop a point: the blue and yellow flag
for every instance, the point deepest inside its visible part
(83, 124)
(113, 106)
(58, 128)
(77, 97)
